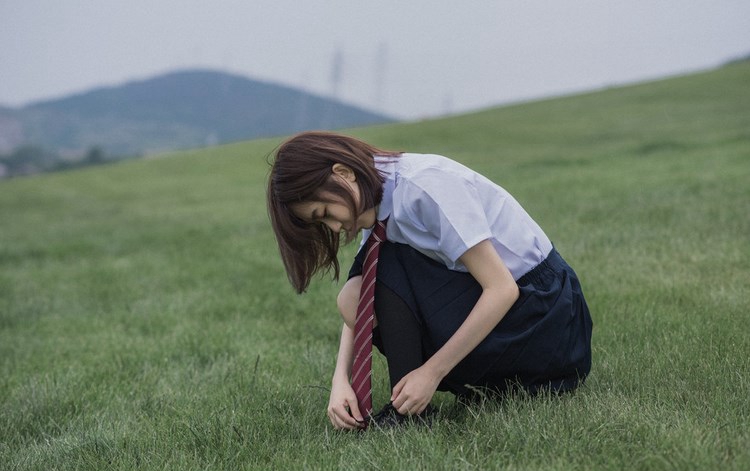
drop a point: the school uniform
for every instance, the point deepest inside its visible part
(437, 209)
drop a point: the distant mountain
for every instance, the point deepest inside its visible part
(178, 110)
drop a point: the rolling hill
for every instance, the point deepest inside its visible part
(186, 109)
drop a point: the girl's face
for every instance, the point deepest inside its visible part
(335, 214)
(333, 211)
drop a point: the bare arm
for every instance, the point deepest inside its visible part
(345, 355)
(499, 291)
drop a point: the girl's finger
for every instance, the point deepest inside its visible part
(346, 419)
(397, 389)
(335, 420)
(340, 418)
(341, 422)
(354, 413)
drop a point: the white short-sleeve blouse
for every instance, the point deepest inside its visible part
(442, 208)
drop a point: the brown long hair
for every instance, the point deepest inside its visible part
(301, 171)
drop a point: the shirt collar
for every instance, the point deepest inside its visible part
(387, 167)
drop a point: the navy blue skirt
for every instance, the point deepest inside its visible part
(543, 342)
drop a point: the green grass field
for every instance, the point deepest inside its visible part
(146, 322)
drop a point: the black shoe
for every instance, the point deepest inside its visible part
(389, 417)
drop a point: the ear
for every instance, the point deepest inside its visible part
(344, 171)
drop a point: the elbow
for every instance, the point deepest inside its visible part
(506, 294)
(513, 292)
(343, 304)
(348, 299)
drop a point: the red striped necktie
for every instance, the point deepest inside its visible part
(362, 365)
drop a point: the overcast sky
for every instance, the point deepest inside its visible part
(410, 59)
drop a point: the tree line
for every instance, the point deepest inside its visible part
(31, 159)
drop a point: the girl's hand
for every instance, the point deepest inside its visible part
(343, 410)
(415, 390)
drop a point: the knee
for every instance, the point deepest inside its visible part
(348, 299)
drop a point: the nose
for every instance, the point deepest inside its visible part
(335, 226)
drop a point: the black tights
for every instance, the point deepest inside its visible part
(400, 333)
